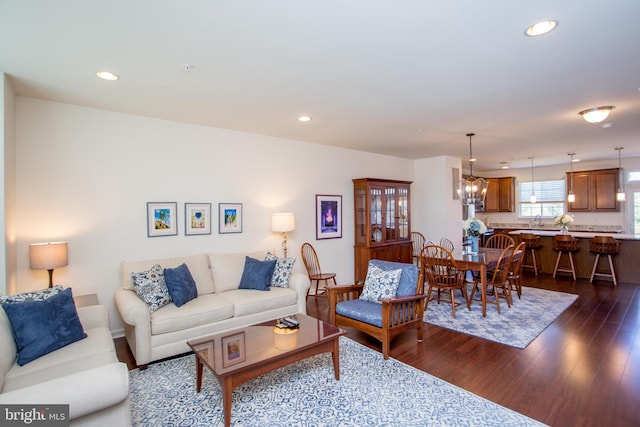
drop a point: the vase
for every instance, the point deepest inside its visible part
(564, 229)
(475, 242)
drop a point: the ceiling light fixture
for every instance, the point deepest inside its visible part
(596, 114)
(472, 190)
(107, 75)
(620, 194)
(571, 198)
(532, 199)
(304, 119)
(540, 28)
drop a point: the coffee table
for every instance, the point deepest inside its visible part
(238, 356)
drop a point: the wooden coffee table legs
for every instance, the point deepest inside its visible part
(231, 380)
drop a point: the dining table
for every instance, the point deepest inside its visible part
(482, 261)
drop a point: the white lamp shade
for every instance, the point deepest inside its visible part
(283, 222)
(47, 256)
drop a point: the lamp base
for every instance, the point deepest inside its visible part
(50, 278)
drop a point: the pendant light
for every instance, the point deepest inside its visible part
(620, 194)
(472, 190)
(532, 199)
(571, 198)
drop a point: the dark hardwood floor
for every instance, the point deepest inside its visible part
(583, 370)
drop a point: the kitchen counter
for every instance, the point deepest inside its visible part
(626, 262)
(577, 234)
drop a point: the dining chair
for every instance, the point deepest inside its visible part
(442, 273)
(499, 241)
(312, 265)
(447, 244)
(417, 242)
(499, 283)
(515, 273)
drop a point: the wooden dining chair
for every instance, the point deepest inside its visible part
(312, 265)
(499, 283)
(447, 244)
(417, 242)
(515, 273)
(442, 275)
(499, 241)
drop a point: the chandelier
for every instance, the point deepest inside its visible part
(471, 189)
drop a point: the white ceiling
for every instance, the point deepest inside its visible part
(407, 78)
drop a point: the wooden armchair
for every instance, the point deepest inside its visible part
(386, 319)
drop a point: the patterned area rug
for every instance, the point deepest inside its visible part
(516, 326)
(371, 392)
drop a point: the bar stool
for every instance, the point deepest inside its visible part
(532, 243)
(565, 243)
(604, 245)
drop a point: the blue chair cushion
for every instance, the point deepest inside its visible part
(363, 311)
(408, 278)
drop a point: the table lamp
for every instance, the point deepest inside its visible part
(281, 223)
(47, 256)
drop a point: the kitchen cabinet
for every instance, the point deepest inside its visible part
(595, 190)
(500, 194)
(382, 223)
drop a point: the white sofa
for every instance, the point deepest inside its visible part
(219, 306)
(86, 374)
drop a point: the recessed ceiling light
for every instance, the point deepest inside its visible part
(540, 28)
(304, 118)
(106, 75)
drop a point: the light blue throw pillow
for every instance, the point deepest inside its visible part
(151, 287)
(380, 284)
(282, 271)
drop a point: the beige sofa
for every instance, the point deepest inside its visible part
(219, 306)
(86, 374)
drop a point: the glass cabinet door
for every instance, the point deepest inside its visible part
(391, 223)
(361, 214)
(376, 212)
(403, 212)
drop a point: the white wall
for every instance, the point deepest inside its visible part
(85, 176)
(7, 186)
(558, 172)
(435, 213)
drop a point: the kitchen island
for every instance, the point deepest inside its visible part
(626, 263)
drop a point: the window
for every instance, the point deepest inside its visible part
(549, 198)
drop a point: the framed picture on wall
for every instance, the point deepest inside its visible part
(328, 217)
(162, 219)
(197, 218)
(230, 218)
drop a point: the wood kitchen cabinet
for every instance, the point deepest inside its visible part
(595, 190)
(500, 194)
(382, 223)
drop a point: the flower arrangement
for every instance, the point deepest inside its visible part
(564, 220)
(474, 227)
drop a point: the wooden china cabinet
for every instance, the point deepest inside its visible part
(382, 222)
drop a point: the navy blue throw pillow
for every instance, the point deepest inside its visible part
(40, 327)
(257, 274)
(180, 284)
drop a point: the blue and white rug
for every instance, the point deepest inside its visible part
(516, 326)
(371, 392)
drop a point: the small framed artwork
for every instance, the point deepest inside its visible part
(233, 350)
(230, 218)
(162, 219)
(328, 217)
(197, 218)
